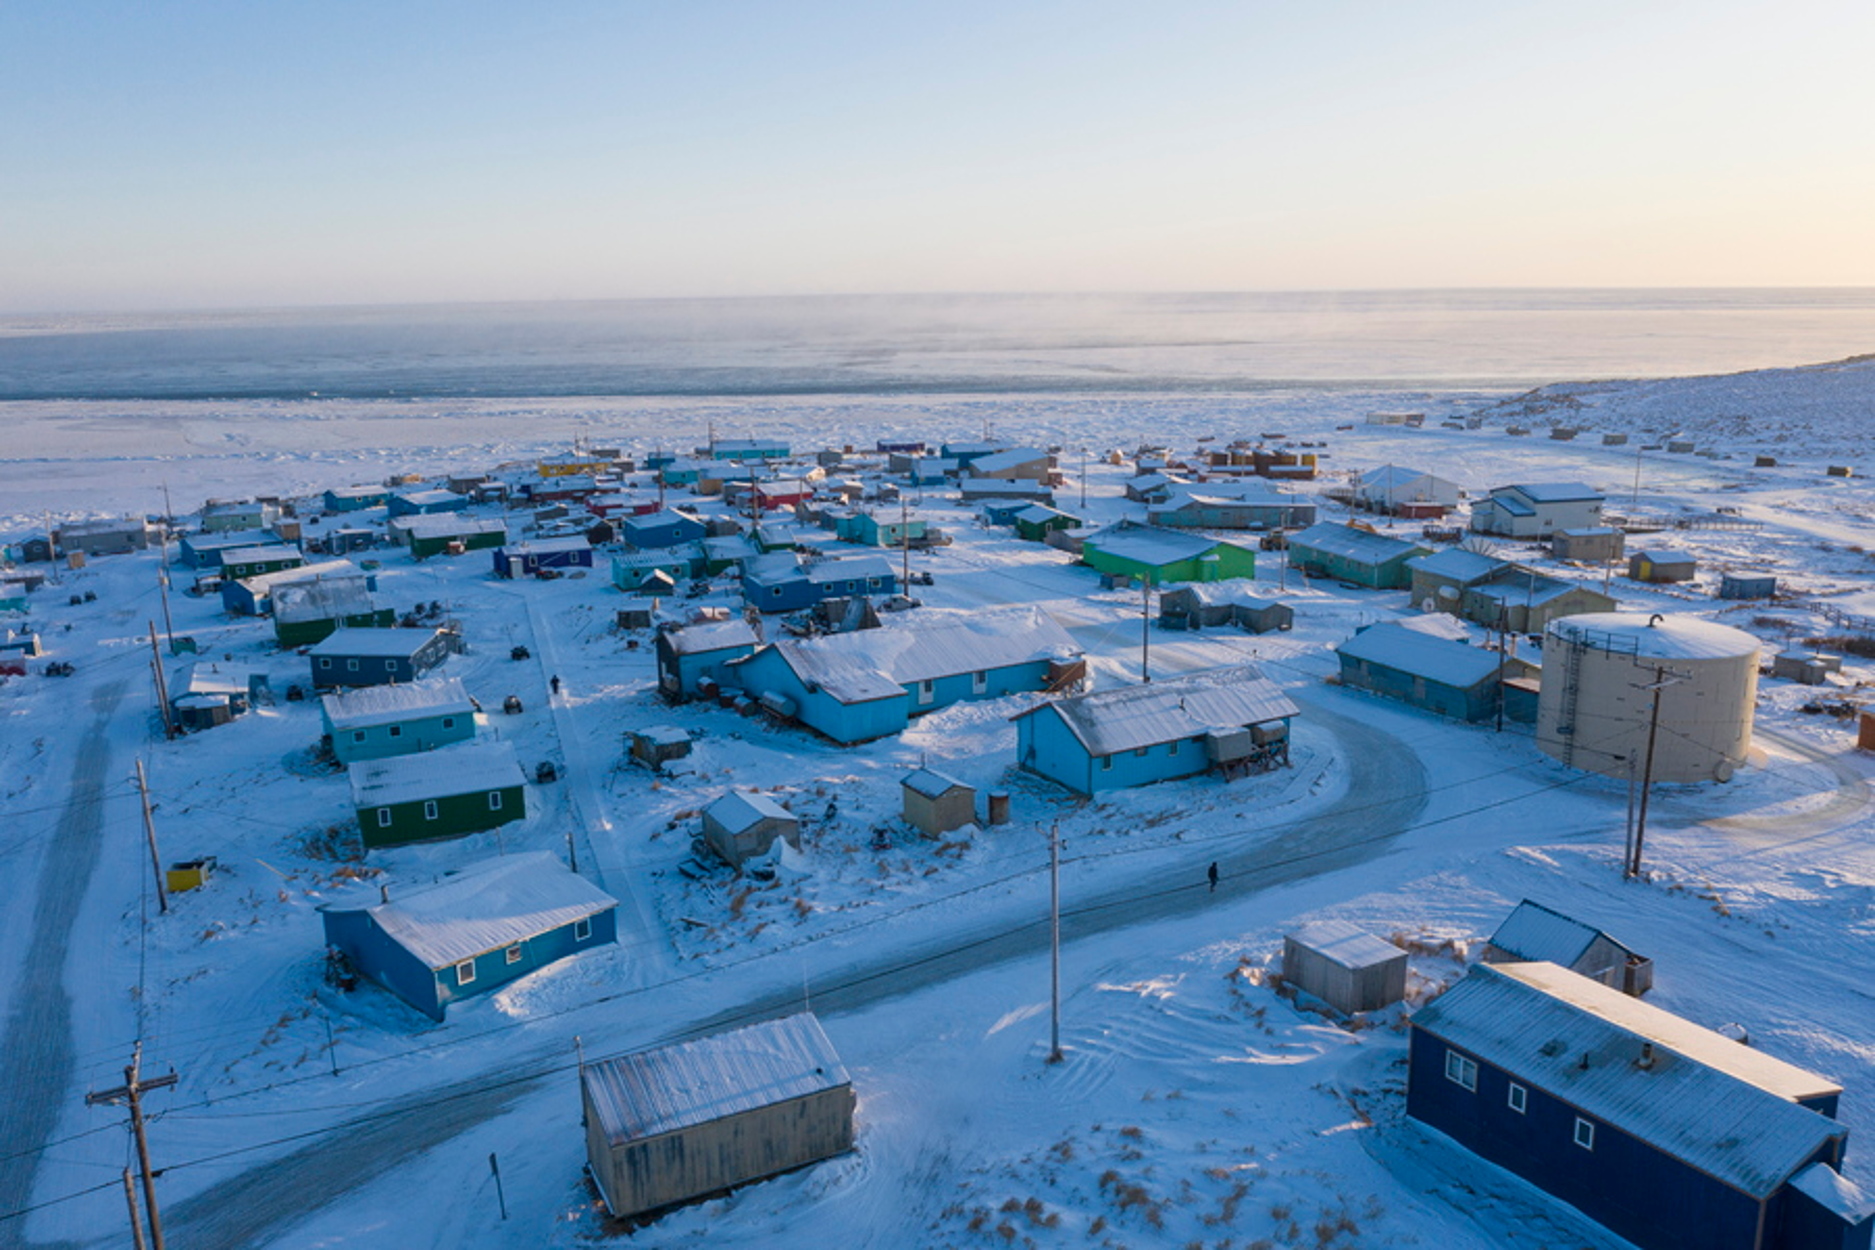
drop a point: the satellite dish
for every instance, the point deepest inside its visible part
(1448, 593)
(1428, 604)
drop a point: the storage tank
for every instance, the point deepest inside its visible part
(1595, 705)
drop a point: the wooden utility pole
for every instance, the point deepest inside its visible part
(162, 685)
(131, 1092)
(149, 833)
(904, 542)
(1145, 629)
(1054, 943)
(136, 1217)
(1660, 682)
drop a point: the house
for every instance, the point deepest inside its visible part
(1657, 564)
(632, 571)
(1154, 488)
(233, 517)
(1387, 488)
(1434, 674)
(870, 530)
(257, 561)
(310, 610)
(740, 827)
(355, 498)
(781, 583)
(1236, 511)
(425, 502)
(935, 804)
(768, 494)
(32, 549)
(474, 931)
(1669, 1135)
(1747, 586)
(103, 538)
(1356, 554)
(376, 656)
(375, 722)
(744, 449)
(1204, 606)
(448, 533)
(253, 596)
(1593, 544)
(1162, 556)
(1524, 601)
(1536, 510)
(1440, 580)
(925, 470)
(572, 466)
(1533, 933)
(571, 488)
(693, 1118)
(964, 453)
(684, 472)
(204, 551)
(526, 559)
(854, 687)
(665, 528)
(1035, 522)
(437, 794)
(1344, 966)
(723, 553)
(209, 694)
(974, 490)
(1228, 720)
(1025, 463)
(13, 598)
(900, 446)
(696, 656)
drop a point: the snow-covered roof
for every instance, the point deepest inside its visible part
(374, 642)
(1237, 591)
(1658, 636)
(226, 540)
(1835, 1192)
(679, 1086)
(547, 546)
(1210, 498)
(322, 598)
(469, 768)
(1438, 660)
(1148, 544)
(1039, 513)
(1110, 721)
(1346, 944)
(356, 492)
(931, 783)
(1013, 458)
(737, 811)
(1663, 555)
(655, 520)
(424, 498)
(204, 678)
(448, 525)
(1391, 477)
(1514, 585)
(1718, 1105)
(486, 907)
(1458, 565)
(872, 664)
(260, 555)
(1339, 539)
(710, 636)
(1534, 932)
(386, 705)
(853, 568)
(1553, 492)
(263, 583)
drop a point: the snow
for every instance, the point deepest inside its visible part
(1665, 637)
(387, 705)
(467, 768)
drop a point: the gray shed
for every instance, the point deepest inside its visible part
(1593, 544)
(1343, 965)
(657, 745)
(696, 1118)
(740, 826)
(935, 804)
(1747, 586)
(1661, 565)
(1533, 933)
(1806, 668)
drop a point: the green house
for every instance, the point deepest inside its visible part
(305, 613)
(1162, 556)
(377, 722)
(254, 561)
(438, 794)
(431, 535)
(1353, 554)
(1035, 522)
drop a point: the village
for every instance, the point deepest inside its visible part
(609, 779)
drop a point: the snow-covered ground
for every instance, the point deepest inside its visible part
(1196, 1105)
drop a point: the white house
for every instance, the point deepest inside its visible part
(1537, 510)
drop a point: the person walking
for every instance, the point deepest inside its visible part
(1211, 874)
(555, 683)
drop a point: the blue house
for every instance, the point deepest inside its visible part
(355, 498)
(689, 656)
(1231, 720)
(630, 569)
(376, 722)
(204, 551)
(1437, 674)
(664, 528)
(780, 583)
(741, 449)
(1666, 1133)
(857, 686)
(892, 530)
(378, 657)
(525, 559)
(253, 596)
(426, 502)
(473, 931)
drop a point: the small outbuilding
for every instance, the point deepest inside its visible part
(1747, 586)
(1589, 544)
(654, 746)
(1535, 933)
(683, 1121)
(1806, 668)
(695, 654)
(741, 827)
(936, 803)
(1234, 602)
(1345, 966)
(1660, 565)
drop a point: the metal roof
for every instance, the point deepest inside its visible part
(447, 525)
(1713, 1103)
(1440, 660)
(710, 636)
(1347, 944)
(387, 642)
(1458, 564)
(1554, 492)
(737, 811)
(422, 498)
(680, 1086)
(1110, 721)
(547, 546)
(878, 663)
(1534, 932)
(1338, 539)
(1015, 457)
(321, 598)
(931, 783)
(469, 768)
(262, 583)
(260, 555)
(1148, 544)
(486, 907)
(387, 705)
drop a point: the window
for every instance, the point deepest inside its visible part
(397, 731)
(582, 929)
(325, 661)
(1171, 748)
(980, 681)
(1519, 1098)
(429, 809)
(351, 666)
(465, 972)
(1585, 1134)
(358, 735)
(514, 953)
(872, 582)
(776, 592)
(1140, 752)
(384, 818)
(494, 800)
(1106, 763)
(449, 722)
(1461, 1071)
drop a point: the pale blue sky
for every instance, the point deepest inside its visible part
(203, 154)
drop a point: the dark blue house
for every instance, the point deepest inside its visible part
(378, 657)
(1664, 1132)
(426, 502)
(473, 931)
(664, 528)
(780, 583)
(528, 558)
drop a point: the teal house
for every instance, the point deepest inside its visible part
(438, 794)
(740, 449)
(474, 931)
(355, 498)
(258, 561)
(1426, 671)
(700, 653)
(631, 568)
(1162, 556)
(1225, 721)
(869, 530)
(782, 583)
(376, 722)
(1354, 554)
